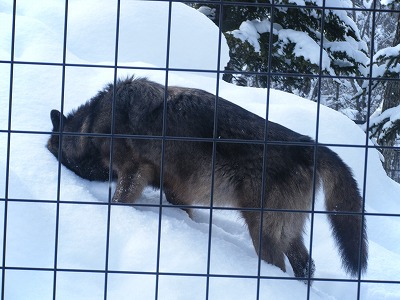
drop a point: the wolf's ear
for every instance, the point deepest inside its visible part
(55, 117)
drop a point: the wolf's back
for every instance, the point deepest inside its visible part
(345, 204)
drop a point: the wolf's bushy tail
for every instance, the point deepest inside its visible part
(342, 198)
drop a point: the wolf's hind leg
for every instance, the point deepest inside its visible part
(271, 247)
(300, 259)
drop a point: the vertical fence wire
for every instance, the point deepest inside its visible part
(112, 140)
(60, 136)
(369, 101)
(317, 123)
(11, 84)
(214, 152)
(163, 141)
(265, 152)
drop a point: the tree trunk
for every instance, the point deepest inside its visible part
(392, 99)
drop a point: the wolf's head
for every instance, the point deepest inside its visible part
(76, 151)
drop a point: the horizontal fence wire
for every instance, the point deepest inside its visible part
(121, 66)
(164, 138)
(196, 139)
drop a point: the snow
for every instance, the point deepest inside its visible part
(384, 61)
(304, 45)
(340, 46)
(143, 25)
(248, 32)
(387, 52)
(332, 3)
(387, 118)
(387, 2)
(133, 232)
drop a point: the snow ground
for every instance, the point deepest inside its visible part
(82, 231)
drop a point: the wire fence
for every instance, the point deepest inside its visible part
(163, 139)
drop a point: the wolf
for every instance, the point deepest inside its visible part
(203, 149)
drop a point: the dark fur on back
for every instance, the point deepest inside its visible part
(139, 106)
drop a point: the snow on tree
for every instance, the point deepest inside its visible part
(285, 38)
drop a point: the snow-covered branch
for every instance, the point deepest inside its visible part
(384, 125)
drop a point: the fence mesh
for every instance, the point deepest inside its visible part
(101, 276)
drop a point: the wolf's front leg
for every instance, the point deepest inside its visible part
(131, 183)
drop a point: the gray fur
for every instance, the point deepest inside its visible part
(238, 165)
